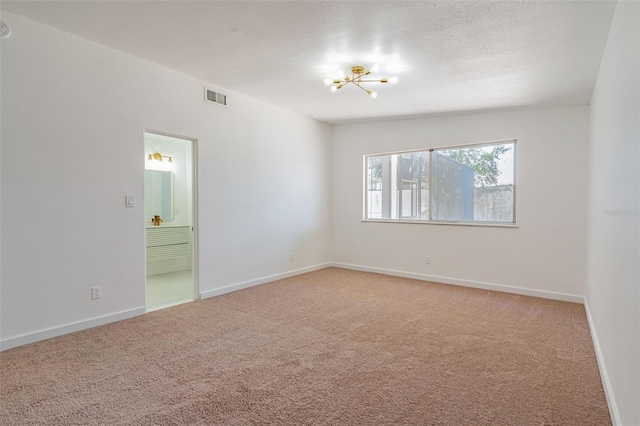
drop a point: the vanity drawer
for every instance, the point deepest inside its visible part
(169, 242)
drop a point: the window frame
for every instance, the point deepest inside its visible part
(430, 221)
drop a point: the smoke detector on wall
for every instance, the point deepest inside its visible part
(5, 31)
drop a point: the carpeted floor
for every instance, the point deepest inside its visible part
(332, 347)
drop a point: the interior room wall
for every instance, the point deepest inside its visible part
(613, 290)
(545, 255)
(73, 119)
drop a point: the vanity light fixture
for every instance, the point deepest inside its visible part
(157, 156)
(357, 77)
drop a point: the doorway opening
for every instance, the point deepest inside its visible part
(170, 220)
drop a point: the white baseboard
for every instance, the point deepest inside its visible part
(263, 280)
(466, 283)
(13, 342)
(606, 383)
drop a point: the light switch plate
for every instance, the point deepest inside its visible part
(129, 200)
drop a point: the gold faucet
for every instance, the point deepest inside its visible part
(156, 220)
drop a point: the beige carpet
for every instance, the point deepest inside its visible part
(332, 347)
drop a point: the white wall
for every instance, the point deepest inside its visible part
(613, 290)
(546, 253)
(73, 116)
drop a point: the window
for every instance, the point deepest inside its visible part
(461, 184)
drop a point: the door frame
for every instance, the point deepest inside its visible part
(194, 209)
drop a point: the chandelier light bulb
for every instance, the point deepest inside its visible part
(393, 80)
(333, 89)
(341, 74)
(373, 94)
(328, 81)
(375, 68)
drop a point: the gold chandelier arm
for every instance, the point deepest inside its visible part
(357, 85)
(346, 81)
(357, 79)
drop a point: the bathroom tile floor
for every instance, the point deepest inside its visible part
(170, 289)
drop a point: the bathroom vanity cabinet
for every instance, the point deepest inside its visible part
(168, 242)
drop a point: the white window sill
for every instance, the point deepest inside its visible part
(433, 222)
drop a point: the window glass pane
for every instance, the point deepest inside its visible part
(494, 199)
(411, 169)
(474, 183)
(397, 186)
(452, 187)
(374, 186)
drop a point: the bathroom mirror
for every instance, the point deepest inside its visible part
(158, 195)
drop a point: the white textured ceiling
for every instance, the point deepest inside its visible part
(451, 56)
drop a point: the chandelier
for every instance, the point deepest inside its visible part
(357, 77)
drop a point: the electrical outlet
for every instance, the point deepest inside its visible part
(96, 293)
(427, 260)
(291, 257)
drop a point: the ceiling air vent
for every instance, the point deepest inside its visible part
(214, 97)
